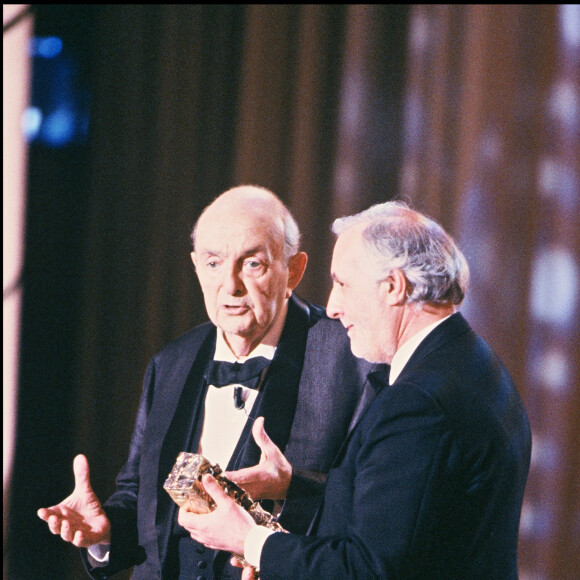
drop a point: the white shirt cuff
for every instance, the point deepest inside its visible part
(99, 554)
(254, 543)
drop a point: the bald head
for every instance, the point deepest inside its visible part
(253, 203)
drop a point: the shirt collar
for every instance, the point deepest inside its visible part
(406, 350)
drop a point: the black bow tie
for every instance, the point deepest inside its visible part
(221, 373)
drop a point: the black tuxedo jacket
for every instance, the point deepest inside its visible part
(310, 395)
(430, 482)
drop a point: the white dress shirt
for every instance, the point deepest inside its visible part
(223, 423)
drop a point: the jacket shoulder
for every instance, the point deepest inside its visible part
(189, 341)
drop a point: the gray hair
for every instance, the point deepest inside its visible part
(289, 224)
(404, 239)
(291, 234)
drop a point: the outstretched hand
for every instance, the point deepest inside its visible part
(270, 479)
(79, 519)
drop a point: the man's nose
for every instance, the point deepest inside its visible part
(232, 282)
(332, 307)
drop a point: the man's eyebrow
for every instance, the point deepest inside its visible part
(254, 250)
(244, 254)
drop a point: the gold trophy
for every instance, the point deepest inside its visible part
(185, 488)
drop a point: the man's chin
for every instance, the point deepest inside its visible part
(360, 351)
(356, 349)
(237, 325)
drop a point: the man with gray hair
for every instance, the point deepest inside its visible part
(430, 482)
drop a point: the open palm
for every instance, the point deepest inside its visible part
(80, 518)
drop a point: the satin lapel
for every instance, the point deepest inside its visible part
(171, 376)
(278, 395)
(370, 390)
(377, 379)
(178, 422)
(186, 400)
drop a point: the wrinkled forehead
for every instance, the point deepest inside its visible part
(237, 230)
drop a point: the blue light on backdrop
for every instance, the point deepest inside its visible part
(58, 115)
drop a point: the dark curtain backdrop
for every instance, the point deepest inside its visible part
(470, 112)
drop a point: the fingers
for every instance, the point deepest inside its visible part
(52, 518)
(214, 488)
(59, 526)
(68, 529)
(79, 540)
(252, 474)
(260, 435)
(66, 533)
(249, 573)
(43, 514)
(182, 517)
(81, 471)
(79, 518)
(242, 476)
(54, 523)
(82, 485)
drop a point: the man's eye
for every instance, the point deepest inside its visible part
(212, 265)
(254, 267)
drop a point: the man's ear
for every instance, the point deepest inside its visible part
(192, 255)
(296, 268)
(394, 288)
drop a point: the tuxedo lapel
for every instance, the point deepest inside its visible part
(173, 376)
(276, 401)
(170, 377)
(188, 393)
(181, 423)
(376, 379)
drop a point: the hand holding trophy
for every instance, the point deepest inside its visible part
(185, 487)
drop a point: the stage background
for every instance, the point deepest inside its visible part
(471, 112)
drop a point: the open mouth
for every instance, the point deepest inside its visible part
(234, 308)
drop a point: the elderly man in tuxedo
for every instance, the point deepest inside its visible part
(304, 384)
(430, 482)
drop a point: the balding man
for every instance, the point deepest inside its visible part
(247, 258)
